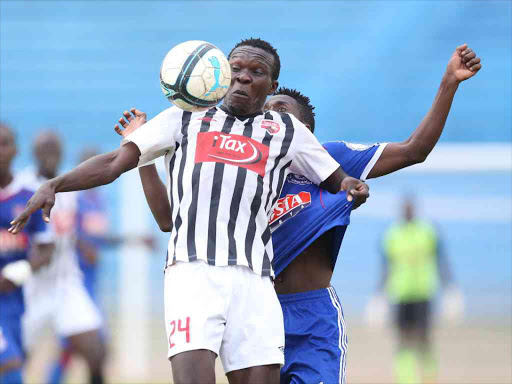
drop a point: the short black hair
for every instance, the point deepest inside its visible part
(306, 109)
(267, 47)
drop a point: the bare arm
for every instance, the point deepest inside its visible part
(156, 196)
(154, 190)
(98, 170)
(463, 65)
(340, 181)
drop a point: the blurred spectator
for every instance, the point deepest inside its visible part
(413, 266)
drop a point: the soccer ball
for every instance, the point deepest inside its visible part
(195, 75)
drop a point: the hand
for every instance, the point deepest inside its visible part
(132, 123)
(44, 199)
(356, 190)
(463, 64)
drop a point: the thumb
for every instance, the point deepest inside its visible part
(460, 48)
(47, 208)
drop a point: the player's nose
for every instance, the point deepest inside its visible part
(243, 77)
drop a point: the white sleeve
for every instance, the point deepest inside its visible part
(310, 158)
(157, 136)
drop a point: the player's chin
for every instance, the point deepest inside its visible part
(238, 108)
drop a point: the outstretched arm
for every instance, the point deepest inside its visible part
(154, 189)
(98, 170)
(462, 65)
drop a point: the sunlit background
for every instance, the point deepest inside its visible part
(371, 68)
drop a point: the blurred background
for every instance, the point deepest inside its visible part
(371, 68)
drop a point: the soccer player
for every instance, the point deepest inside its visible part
(413, 265)
(19, 256)
(306, 246)
(226, 168)
(56, 294)
(308, 227)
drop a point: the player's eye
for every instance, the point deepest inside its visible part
(235, 69)
(281, 109)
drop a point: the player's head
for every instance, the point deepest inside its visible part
(7, 147)
(87, 153)
(408, 208)
(255, 68)
(294, 102)
(47, 151)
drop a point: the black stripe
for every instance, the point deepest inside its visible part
(185, 120)
(235, 202)
(196, 175)
(255, 206)
(288, 137)
(171, 167)
(280, 182)
(218, 175)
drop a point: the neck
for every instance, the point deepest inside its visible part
(5, 178)
(239, 116)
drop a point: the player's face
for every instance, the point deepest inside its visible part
(48, 154)
(251, 80)
(284, 103)
(7, 148)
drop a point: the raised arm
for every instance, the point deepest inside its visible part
(98, 170)
(154, 189)
(462, 65)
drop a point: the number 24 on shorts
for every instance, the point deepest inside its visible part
(180, 329)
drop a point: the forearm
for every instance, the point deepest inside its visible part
(156, 196)
(426, 135)
(333, 183)
(98, 170)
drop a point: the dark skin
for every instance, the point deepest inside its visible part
(313, 268)
(41, 254)
(251, 84)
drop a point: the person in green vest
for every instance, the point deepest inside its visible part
(414, 269)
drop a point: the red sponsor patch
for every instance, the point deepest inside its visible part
(272, 127)
(232, 149)
(287, 207)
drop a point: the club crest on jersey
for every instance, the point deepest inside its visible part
(287, 207)
(298, 179)
(271, 126)
(232, 149)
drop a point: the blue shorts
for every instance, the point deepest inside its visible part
(10, 339)
(315, 338)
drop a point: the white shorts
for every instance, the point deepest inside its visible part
(65, 305)
(230, 311)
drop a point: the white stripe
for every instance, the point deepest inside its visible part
(373, 161)
(341, 329)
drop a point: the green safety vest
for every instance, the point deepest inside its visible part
(411, 252)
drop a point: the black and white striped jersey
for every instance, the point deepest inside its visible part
(224, 175)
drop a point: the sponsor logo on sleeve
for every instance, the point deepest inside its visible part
(297, 179)
(287, 207)
(271, 126)
(232, 149)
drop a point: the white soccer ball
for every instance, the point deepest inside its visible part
(195, 75)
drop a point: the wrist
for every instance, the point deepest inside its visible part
(450, 81)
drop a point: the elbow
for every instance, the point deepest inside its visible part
(165, 225)
(416, 156)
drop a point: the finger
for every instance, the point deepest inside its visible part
(128, 116)
(118, 130)
(466, 51)
(138, 113)
(18, 226)
(476, 67)
(47, 208)
(472, 62)
(349, 196)
(460, 48)
(123, 122)
(468, 56)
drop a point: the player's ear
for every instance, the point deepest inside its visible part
(275, 84)
(308, 127)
